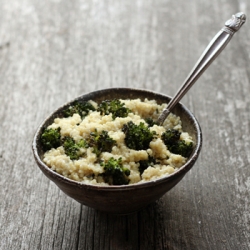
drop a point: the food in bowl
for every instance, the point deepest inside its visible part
(115, 142)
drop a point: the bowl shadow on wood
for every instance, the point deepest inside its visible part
(160, 225)
(121, 199)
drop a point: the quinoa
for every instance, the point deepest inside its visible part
(89, 168)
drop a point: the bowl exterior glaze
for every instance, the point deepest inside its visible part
(125, 198)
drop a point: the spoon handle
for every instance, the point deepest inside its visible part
(213, 49)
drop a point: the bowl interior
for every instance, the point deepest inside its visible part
(189, 122)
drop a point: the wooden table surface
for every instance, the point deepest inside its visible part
(53, 51)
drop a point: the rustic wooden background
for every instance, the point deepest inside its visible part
(52, 51)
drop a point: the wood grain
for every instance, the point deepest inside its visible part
(52, 51)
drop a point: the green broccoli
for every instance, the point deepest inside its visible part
(114, 172)
(137, 137)
(144, 164)
(51, 138)
(114, 107)
(151, 122)
(81, 108)
(182, 148)
(73, 148)
(170, 136)
(101, 142)
(172, 140)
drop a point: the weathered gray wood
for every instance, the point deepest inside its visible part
(52, 51)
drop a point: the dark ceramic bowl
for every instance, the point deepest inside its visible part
(127, 198)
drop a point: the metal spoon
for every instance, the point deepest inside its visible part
(213, 49)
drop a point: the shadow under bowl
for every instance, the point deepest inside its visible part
(122, 199)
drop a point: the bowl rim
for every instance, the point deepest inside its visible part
(185, 168)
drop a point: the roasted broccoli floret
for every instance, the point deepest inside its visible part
(137, 137)
(101, 142)
(115, 173)
(114, 107)
(172, 140)
(170, 136)
(182, 148)
(151, 122)
(144, 164)
(81, 108)
(73, 148)
(51, 138)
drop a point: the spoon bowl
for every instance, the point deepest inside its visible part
(121, 199)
